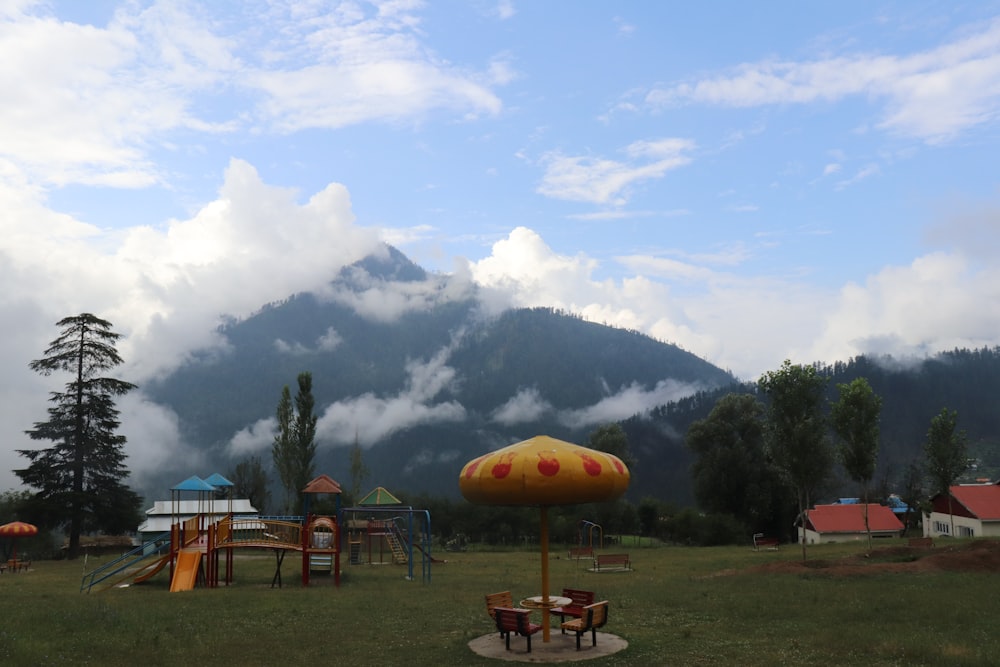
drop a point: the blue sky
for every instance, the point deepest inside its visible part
(751, 181)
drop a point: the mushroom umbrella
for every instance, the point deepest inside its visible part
(16, 529)
(543, 471)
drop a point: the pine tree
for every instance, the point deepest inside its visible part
(79, 480)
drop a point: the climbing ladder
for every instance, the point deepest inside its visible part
(393, 537)
(355, 552)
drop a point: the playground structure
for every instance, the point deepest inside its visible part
(199, 549)
(589, 528)
(400, 530)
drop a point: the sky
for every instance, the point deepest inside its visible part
(753, 182)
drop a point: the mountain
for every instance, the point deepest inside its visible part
(416, 369)
(413, 367)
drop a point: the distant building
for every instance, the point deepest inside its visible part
(845, 522)
(975, 508)
(161, 515)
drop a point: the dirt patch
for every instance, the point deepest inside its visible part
(974, 556)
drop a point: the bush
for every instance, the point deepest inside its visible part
(691, 527)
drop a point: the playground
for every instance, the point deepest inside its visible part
(205, 534)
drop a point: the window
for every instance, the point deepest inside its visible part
(942, 527)
(966, 531)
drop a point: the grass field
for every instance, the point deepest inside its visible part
(680, 606)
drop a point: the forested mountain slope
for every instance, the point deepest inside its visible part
(425, 387)
(912, 391)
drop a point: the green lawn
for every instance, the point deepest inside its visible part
(681, 606)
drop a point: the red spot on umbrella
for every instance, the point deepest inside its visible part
(548, 466)
(471, 468)
(591, 465)
(502, 469)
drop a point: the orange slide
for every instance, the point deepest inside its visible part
(150, 570)
(186, 572)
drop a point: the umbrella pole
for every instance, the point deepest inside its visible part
(545, 572)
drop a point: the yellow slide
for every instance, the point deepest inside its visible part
(186, 572)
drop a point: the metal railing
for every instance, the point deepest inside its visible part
(158, 546)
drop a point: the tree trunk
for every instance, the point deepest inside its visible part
(804, 513)
(868, 528)
(951, 514)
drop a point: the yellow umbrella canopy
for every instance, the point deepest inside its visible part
(16, 529)
(543, 471)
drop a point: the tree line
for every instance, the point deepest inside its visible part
(758, 455)
(761, 457)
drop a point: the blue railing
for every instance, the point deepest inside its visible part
(159, 545)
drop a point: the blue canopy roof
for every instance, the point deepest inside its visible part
(194, 483)
(217, 480)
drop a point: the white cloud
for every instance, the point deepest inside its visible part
(330, 69)
(99, 105)
(525, 406)
(936, 303)
(602, 181)
(385, 302)
(505, 9)
(864, 173)
(329, 340)
(373, 418)
(629, 401)
(85, 103)
(166, 288)
(933, 95)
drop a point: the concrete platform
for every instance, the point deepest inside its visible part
(560, 648)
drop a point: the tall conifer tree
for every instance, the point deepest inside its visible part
(79, 480)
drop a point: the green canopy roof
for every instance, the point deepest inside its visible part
(379, 496)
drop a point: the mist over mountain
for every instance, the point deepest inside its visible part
(421, 372)
(424, 375)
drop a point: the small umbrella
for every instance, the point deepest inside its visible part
(543, 471)
(16, 529)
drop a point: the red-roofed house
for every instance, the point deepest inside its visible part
(976, 508)
(846, 523)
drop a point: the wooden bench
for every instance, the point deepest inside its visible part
(761, 542)
(921, 542)
(580, 599)
(19, 565)
(501, 599)
(594, 616)
(576, 553)
(517, 622)
(617, 562)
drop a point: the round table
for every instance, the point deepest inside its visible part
(538, 602)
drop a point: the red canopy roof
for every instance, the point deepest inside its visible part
(851, 519)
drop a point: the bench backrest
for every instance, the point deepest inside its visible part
(596, 615)
(579, 598)
(494, 600)
(511, 620)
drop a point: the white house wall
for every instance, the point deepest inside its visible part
(938, 524)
